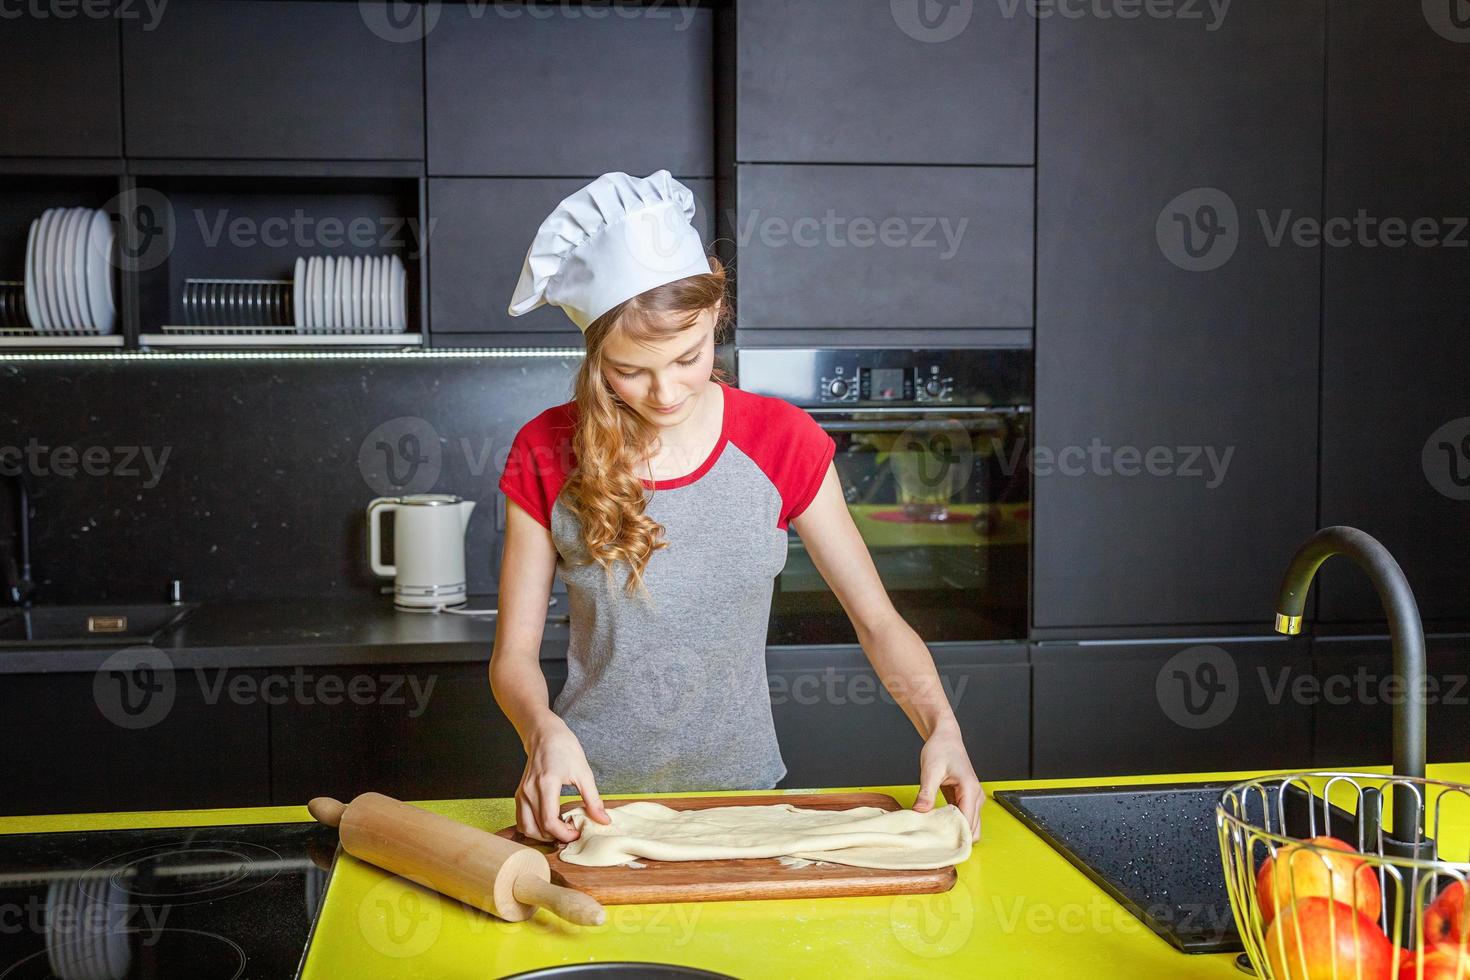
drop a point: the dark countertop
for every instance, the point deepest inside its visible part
(312, 631)
(246, 633)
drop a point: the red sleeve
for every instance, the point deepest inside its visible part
(789, 447)
(538, 463)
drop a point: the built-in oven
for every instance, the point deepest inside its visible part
(933, 454)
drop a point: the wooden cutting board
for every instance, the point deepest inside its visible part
(742, 879)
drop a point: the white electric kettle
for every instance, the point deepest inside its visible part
(428, 549)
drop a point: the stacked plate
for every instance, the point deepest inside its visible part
(350, 294)
(68, 276)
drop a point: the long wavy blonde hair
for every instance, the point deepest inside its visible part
(604, 490)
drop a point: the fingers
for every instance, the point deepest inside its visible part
(526, 821)
(969, 797)
(549, 811)
(928, 786)
(591, 799)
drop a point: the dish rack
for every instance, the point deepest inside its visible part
(17, 331)
(299, 311)
(1392, 883)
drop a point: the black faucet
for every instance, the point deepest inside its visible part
(20, 588)
(1407, 633)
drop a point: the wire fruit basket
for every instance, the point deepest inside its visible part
(1325, 884)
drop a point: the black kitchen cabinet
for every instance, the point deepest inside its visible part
(62, 85)
(1353, 689)
(597, 89)
(413, 731)
(1395, 431)
(879, 248)
(834, 81)
(839, 727)
(1120, 708)
(482, 229)
(238, 79)
(1176, 378)
(133, 740)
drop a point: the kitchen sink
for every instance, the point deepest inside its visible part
(1154, 849)
(92, 625)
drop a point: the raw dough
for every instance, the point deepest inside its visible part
(864, 836)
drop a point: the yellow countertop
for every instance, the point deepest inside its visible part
(1018, 910)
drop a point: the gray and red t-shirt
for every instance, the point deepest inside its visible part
(668, 692)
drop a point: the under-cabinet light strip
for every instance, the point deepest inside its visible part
(275, 355)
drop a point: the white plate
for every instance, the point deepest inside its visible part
(60, 233)
(308, 296)
(344, 292)
(56, 270)
(100, 234)
(347, 292)
(380, 291)
(385, 293)
(33, 301)
(298, 287)
(318, 306)
(369, 295)
(43, 292)
(51, 270)
(357, 293)
(79, 269)
(73, 270)
(397, 310)
(329, 294)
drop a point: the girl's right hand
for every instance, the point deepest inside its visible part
(554, 759)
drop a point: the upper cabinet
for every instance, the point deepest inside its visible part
(482, 229)
(283, 80)
(1395, 418)
(1176, 336)
(874, 81)
(880, 248)
(614, 88)
(62, 86)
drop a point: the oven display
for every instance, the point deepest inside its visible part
(885, 384)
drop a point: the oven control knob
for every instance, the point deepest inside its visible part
(837, 388)
(933, 387)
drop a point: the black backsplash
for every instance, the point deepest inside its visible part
(248, 477)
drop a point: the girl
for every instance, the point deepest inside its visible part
(661, 496)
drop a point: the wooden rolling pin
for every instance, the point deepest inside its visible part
(502, 877)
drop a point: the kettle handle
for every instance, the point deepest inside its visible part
(376, 509)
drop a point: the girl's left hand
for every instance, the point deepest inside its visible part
(944, 764)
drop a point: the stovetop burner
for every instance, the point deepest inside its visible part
(217, 902)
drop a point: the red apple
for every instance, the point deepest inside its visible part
(1308, 872)
(1442, 961)
(1448, 917)
(1319, 939)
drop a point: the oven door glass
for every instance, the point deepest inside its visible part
(943, 502)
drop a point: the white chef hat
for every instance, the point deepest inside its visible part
(609, 241)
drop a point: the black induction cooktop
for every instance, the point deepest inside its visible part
(186, 902)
